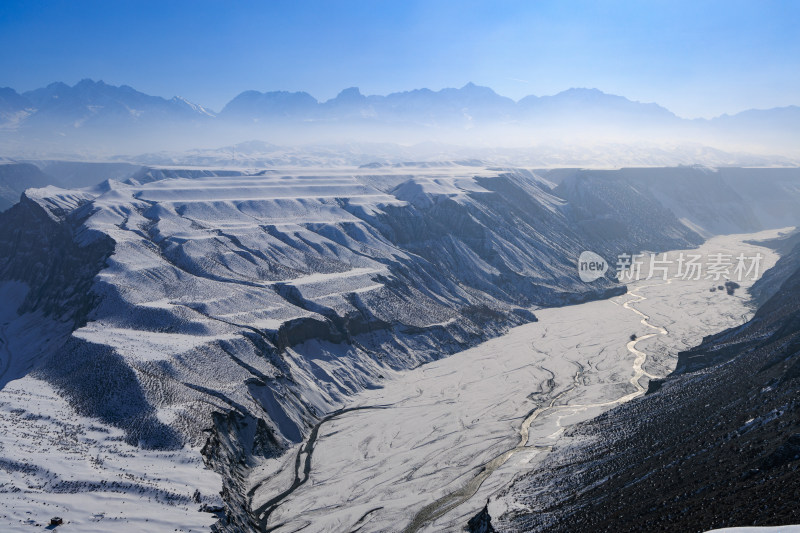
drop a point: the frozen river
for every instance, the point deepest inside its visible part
(426, 451)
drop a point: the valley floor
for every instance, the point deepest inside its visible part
(426, 451)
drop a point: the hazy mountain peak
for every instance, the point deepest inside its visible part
(471, 87)
(583, 90)
(254, 104)
(585, 93)
(55, 85)
(349, 95)
(11, 101)
(88, 82)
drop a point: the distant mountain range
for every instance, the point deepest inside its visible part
(95, 116)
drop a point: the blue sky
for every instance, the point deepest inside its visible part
(696, 58)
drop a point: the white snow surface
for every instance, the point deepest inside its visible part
(57, 463)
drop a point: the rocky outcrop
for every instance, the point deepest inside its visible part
(481, 522)
(235, 444)
(38, 247)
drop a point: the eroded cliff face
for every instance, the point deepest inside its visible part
(252, 305)
(46, 278)
(236, 443)
(38, 248)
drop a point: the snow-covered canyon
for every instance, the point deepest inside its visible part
(220, 320)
